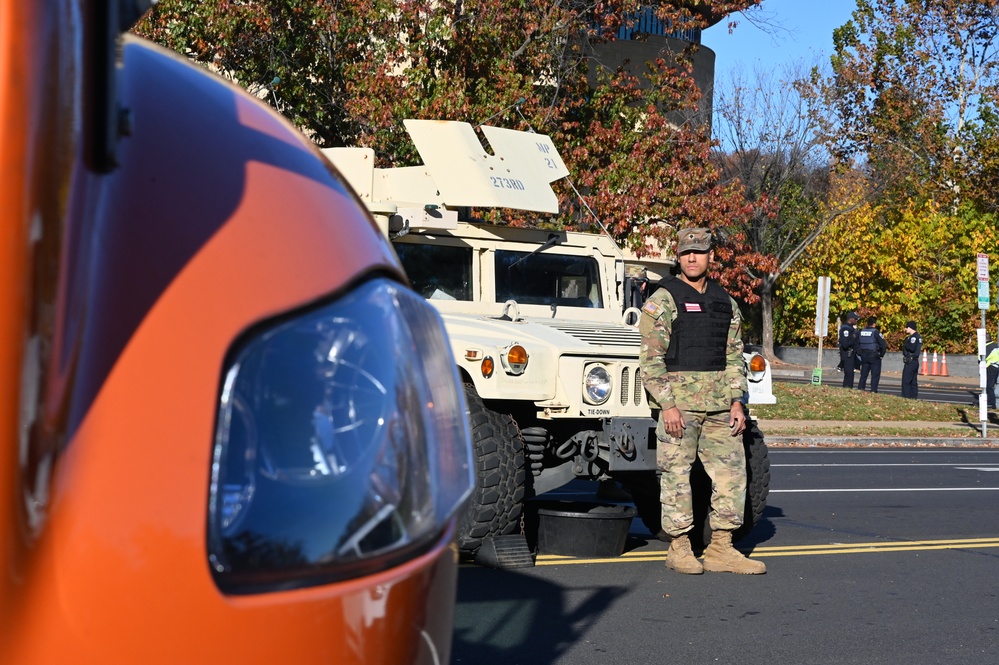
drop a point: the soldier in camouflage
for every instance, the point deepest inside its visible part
(692, 365)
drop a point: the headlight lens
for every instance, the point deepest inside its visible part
(597, 384)
(342, 444)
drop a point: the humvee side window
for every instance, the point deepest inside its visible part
(547, 279)
(438, 272)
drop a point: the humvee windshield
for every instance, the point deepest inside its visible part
(547, 279)
(438, 272)
(443, 272)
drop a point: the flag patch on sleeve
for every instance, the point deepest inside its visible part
(692, 306)
(652, 308)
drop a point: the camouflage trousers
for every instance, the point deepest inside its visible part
(708, 437)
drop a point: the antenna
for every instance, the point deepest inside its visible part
(515, 105)
(568, 179)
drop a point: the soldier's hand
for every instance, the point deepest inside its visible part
(673, 422)
(737, 419)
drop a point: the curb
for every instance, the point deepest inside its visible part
(877, 442)
(789, 373)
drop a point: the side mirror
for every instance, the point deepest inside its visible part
(104, 121)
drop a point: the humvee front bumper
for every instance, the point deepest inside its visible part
(621, 444)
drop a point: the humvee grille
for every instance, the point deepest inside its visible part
(631, 386)
(602, 335)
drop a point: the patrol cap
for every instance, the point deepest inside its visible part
(910, 324)
(696, 240)
(852, 316)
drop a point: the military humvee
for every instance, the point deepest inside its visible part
(542, 324)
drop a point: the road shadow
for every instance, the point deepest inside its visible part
(505, 617)
(639, 537)
(764, 530)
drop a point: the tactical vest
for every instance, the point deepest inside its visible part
(846, 337)
(868, 340)
(911, 347)
(699, 339)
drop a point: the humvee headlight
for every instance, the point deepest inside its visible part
(515, 359)
(757, 366)
(596, 385)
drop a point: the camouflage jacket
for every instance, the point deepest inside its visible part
(688, 391)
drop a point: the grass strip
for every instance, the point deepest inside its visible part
(808, 402)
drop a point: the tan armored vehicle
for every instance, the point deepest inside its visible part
(542, 324)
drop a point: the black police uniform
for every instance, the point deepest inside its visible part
(911, 348)
(847, 352)
(872, 347)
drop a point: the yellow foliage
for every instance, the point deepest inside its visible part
(910, 260)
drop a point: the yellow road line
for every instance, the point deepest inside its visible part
(795, 550)
(880, 543)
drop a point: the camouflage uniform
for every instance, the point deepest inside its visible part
(704, 398)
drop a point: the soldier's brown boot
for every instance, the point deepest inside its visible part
(721, 557)
(681, 558)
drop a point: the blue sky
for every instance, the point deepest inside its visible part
(803, 33)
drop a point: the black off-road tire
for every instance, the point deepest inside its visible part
(644, 490)
(758, 483)
(497, 500)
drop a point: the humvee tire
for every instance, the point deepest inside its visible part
(758, 483)
(495, 505)
(644, 490)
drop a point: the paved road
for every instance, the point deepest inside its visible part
(874, 556)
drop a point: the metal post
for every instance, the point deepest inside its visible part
(983, 305)
(820, 351)
(821, 323)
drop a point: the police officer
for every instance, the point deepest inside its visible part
(911, 348)
(991, 370)
(871, 346)
(692, 366)
(848, 347)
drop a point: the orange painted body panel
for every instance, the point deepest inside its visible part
(20, 192)
(219, 216)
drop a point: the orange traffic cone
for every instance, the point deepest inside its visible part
(934, 368)
(943, 365)
(924, 370)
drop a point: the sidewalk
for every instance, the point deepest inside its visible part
(965, 435)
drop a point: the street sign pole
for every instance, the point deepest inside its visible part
(821, 323)
(983, 305)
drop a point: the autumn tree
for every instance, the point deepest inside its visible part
(913, 94)
(768, 142)
(347, 72)
(898, 262)
(911, 99)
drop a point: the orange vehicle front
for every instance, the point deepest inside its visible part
(228, 430)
